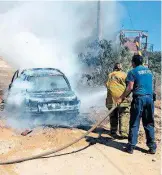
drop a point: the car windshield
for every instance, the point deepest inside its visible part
(47, 83)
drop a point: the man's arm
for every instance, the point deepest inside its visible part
(127, 91)
(130, 83)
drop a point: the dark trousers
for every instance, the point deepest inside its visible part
(119, 117)
(142, 107)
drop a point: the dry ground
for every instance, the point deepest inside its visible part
(92, 156)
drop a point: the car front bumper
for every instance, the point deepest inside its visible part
(46, 109)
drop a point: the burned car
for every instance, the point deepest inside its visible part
(41, 91)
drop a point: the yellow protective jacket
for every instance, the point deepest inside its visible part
(115, 88)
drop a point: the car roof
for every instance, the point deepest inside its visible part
(41, 71)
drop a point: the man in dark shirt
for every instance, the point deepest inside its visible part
(139, 81)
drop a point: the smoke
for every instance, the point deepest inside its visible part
(43, 34)
(52, 34)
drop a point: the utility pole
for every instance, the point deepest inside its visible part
(146, 48)
(99, 32)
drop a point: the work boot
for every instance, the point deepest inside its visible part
(129, 149)
(123, 135)
(113, 135)
(152, 149)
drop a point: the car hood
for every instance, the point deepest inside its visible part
(51, 96)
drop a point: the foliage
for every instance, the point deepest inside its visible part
(106, 55)
(155, 61)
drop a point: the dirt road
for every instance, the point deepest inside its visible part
(93, 155)
(97, 159)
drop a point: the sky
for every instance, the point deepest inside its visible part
(145, 15)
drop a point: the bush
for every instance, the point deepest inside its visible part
(103, 62)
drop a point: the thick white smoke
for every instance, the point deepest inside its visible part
(46, 34)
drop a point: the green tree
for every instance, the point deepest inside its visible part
(155, 61)
(107, 55)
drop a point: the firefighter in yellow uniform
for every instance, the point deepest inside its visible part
(115, 87)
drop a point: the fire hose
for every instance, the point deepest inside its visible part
(62, 147)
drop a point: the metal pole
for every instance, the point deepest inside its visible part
(146, 52)
(99, 20)
(134, 31)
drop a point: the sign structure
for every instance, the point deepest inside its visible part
(137, 42)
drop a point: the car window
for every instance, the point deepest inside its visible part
(47, 83)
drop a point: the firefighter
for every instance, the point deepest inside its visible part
(115, 87)
(140, 82)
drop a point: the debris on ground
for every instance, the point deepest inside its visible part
(26, 132)
(154, 160)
